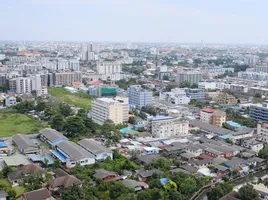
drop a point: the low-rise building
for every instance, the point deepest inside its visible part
(99, 151)
(167, 126)
(226, 99)
(175, 96)
(25, 144)
(52, 137)
(71, 154)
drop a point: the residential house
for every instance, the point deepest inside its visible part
(40, 194)
(190, 169)
(99, 151)
(17, 176)
(61, 183)
(52, 137)
(25, 144)
(72, 154)
(106, 176)
(253, 144)
(235, 163)
(190, 148)
(137, 186)
(148, 159)
(201, 163)
(143, 175)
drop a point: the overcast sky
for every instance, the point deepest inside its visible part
(213, 21)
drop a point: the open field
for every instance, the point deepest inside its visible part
(79, 99)
(12, 123)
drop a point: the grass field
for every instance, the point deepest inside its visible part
(5, 184)
(12, 123)
(80, 99)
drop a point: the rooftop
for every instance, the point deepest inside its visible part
(208, 110)
(93, 146)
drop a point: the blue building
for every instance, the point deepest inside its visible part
(139, 97)
(259, 112)
(198, 94)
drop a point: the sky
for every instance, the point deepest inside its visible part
(175, 21)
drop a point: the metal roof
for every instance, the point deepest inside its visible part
(93, 146)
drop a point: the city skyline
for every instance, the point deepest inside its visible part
(152, 21)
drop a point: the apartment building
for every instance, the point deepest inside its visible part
(259, 112)
(167, 126)
(214, 117)
(191, 77)
(176, 96)
(115, 109)
(226, 99)
(64, 78)
(262, 129)
(139, 97)
(104, 67)
(218, 117)
(198, 94)
(206, 115)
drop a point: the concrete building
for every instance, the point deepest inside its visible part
(259, 112)
(139, 97)
(207, 85)
(175, 96)
(115, 109)
(218, 117)
(191, 77)
(226, 99)
(198, 94)
(218, 69)
(99, 151)
(167, 126)
(104, 67)
(262, 129)
(64, 78)
(214, 117)
(206, 115)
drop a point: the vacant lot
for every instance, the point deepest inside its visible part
(80, 99)
(12, 123)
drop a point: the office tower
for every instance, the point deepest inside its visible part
(139, 97)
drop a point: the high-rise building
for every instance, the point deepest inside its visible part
(115, 109)
(105, 67)
(25, 85)
(191, 77)
(64, 78)
(139, 97)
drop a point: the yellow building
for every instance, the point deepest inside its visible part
(115, 109)
(218, 117)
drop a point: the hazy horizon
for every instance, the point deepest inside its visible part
(137, 21)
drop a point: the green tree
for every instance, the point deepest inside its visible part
(56, 163)
(58, 122)
(132, 120)
(75, 127)
(25, 106)
(263, 153)
(194, 85)
(142, 115)
(6, 170)
(219, 191)
(65, 109)
(73, 192)
(175, 195)
(247, 192)
(257, 95)
(46, 161)
(33, 182)
(227, 126)
(188, 186)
